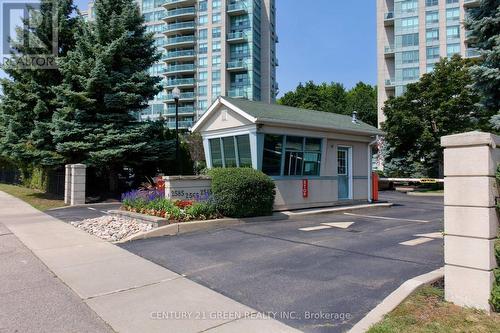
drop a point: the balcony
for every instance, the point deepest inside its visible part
(389, 19)
(186, 96)
(178, 3)
(187, 68)
(471, 3)
(180, 27)
(237, 8)
(183, 124)
(238, 65)
(238, 93)
(180, 41)
(472, 53)
(180, 55)
(390, 84)
(182, 110)
(181, 83)
(389, 52)
(180, 13)
(237, 37)
(469, 36)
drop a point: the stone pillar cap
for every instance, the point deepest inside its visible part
(474, 138)
(79, 166)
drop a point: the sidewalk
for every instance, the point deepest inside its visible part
(128, 292)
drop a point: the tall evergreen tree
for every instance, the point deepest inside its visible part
(484, 24)
(441, 103)
(106, 82)
(363, 99)
(28, 100)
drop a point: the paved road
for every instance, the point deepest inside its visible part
(78, 213)
(298, 276)
(32, 299)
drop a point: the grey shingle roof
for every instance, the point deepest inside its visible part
(301, 117)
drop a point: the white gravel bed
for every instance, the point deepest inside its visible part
(112, 228)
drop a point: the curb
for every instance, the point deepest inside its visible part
(192, 226)
(423, 194)
(394, 299)
(336, 209)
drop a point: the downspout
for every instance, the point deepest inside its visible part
(369, 155)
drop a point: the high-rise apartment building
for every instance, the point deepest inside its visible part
(412, 35)
(210, 48)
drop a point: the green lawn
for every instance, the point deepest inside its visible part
(38, 199)
(426, 312)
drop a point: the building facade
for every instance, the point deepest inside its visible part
(412, 36)
(210, 48)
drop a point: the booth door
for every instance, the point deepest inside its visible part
(343, 172)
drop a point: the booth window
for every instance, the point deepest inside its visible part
(231, 151)
(301, 156)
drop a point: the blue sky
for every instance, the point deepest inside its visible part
(323, 41)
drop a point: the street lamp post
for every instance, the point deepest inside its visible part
(176, 94)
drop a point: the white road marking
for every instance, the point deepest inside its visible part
(342, 225)
(434, 235)
(416, 241)
(91, 208)
(321, 227)
(104, 212)
(386, 218)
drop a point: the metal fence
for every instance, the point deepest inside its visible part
(55, 180)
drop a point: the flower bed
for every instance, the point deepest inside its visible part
(154, 203)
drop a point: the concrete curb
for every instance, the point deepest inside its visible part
(336, 209)
(394, 299)
(155, 221)
(192, 226)
(424, 194)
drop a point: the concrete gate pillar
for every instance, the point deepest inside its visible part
(67, 184)
(470, 217)
(77, 186)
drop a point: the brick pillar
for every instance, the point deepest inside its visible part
(67, 184)
(78, 179)
(470, 218)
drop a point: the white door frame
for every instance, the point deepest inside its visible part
(349, 169)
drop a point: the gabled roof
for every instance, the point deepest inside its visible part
(263, 113)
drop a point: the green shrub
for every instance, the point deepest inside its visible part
(495, 292)
(202, 210)
(242, 192)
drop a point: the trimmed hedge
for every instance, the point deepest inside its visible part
(495, 292)
(242, 192)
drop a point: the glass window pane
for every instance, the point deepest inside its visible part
(313, 144)
(342, 162)
(229, 152)
(293, 163)
(215, 152)
(311, 164)
(273, 147)
(294, 143)
(244, 152)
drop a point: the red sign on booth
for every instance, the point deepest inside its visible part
(305, 188)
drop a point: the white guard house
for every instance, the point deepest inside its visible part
(316, 159)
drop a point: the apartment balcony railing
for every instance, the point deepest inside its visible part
(191, 25)
(181, 82)
(471, 3)
(238, 36)
(389, 51)
(182, 110)
(180, 54)
(237, 8)
(173, 41)
(180, 12)
(180, 68)
(175, 3)
(185, 96)
(182, 124)
(238, 93)
(237, 65)
(472, 53)
(390, 83)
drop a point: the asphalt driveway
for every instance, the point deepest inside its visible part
(79, 213)
(312, 276)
